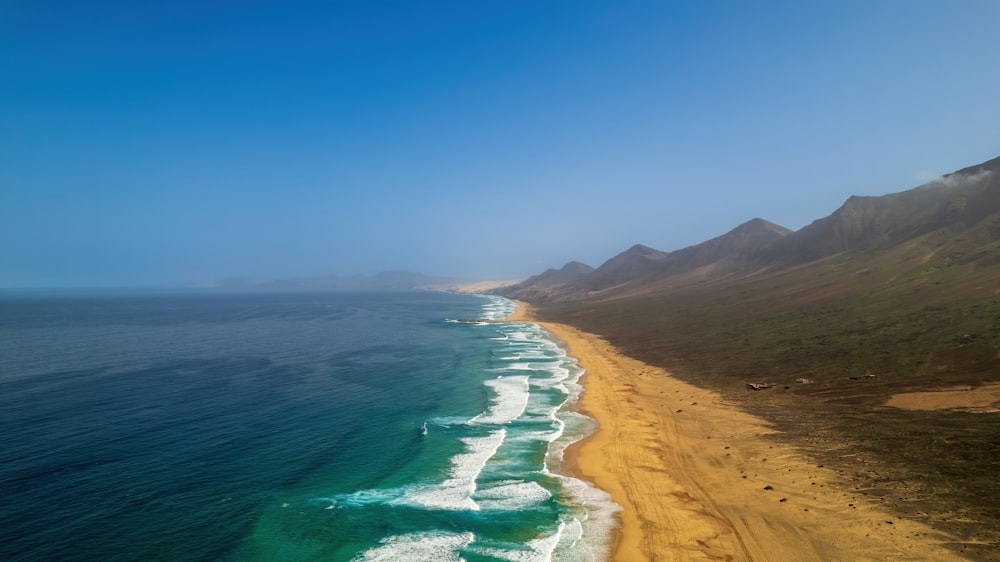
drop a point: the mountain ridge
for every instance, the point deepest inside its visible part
(886, 295)
(955, 203)
(641, 265)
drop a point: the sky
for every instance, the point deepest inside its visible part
(178, 143)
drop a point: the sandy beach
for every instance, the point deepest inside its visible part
(699, 479)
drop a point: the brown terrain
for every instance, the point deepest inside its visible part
(872, 337)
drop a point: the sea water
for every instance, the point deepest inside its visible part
(337, 426)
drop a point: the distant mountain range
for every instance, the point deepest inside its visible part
(955, 218)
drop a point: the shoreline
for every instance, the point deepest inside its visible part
(697, 478)
(570, 465)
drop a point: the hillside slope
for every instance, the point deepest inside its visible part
(952, 204)
(885, 295)
(640, 267)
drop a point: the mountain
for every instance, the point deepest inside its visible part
(922, 265)
(743, 241)
(570, 272)
(955, 218)
(628, 266)
(886, 295)
(735, 248)
(541, 286)
(640, 267)
(954, 203)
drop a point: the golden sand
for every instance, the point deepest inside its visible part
(699, 479)
(983, 399)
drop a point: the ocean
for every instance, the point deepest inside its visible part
(334, 426)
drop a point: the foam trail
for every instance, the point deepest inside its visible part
(503, 469)
(509, 402)
(572, 534)
(419, 546)
(511, 495)
(362, 498)
(592, 531)
(456, 492)
(498, 308)
(535, 550)
(544, 547)
(522, 366)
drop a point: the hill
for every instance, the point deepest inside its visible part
(955, 203)
(640, 267)
(886, 295)
(547, 284)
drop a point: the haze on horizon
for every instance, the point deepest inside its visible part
(184, 142)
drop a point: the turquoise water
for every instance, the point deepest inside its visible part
(287, 427)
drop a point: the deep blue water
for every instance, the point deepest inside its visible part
(286, 427)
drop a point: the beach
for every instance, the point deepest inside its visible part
(699, 479)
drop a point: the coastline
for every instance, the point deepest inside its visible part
(699, 479)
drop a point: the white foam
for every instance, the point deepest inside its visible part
(596, 518)
(448, 421)
(430, 547)
(548, 375)
(544, 547)
(498, 308)
(527, 405)
(572, 534)
(509, 401)
(540, 549)
(515, 367)
(511, 495)
(557, 427)
(362, 498)
(456, 492)
(529, 436)
(558, 446)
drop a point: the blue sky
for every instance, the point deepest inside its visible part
(181, 142)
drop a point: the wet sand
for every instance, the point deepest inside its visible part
(699, 479)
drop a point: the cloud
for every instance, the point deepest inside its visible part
(958, 180)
